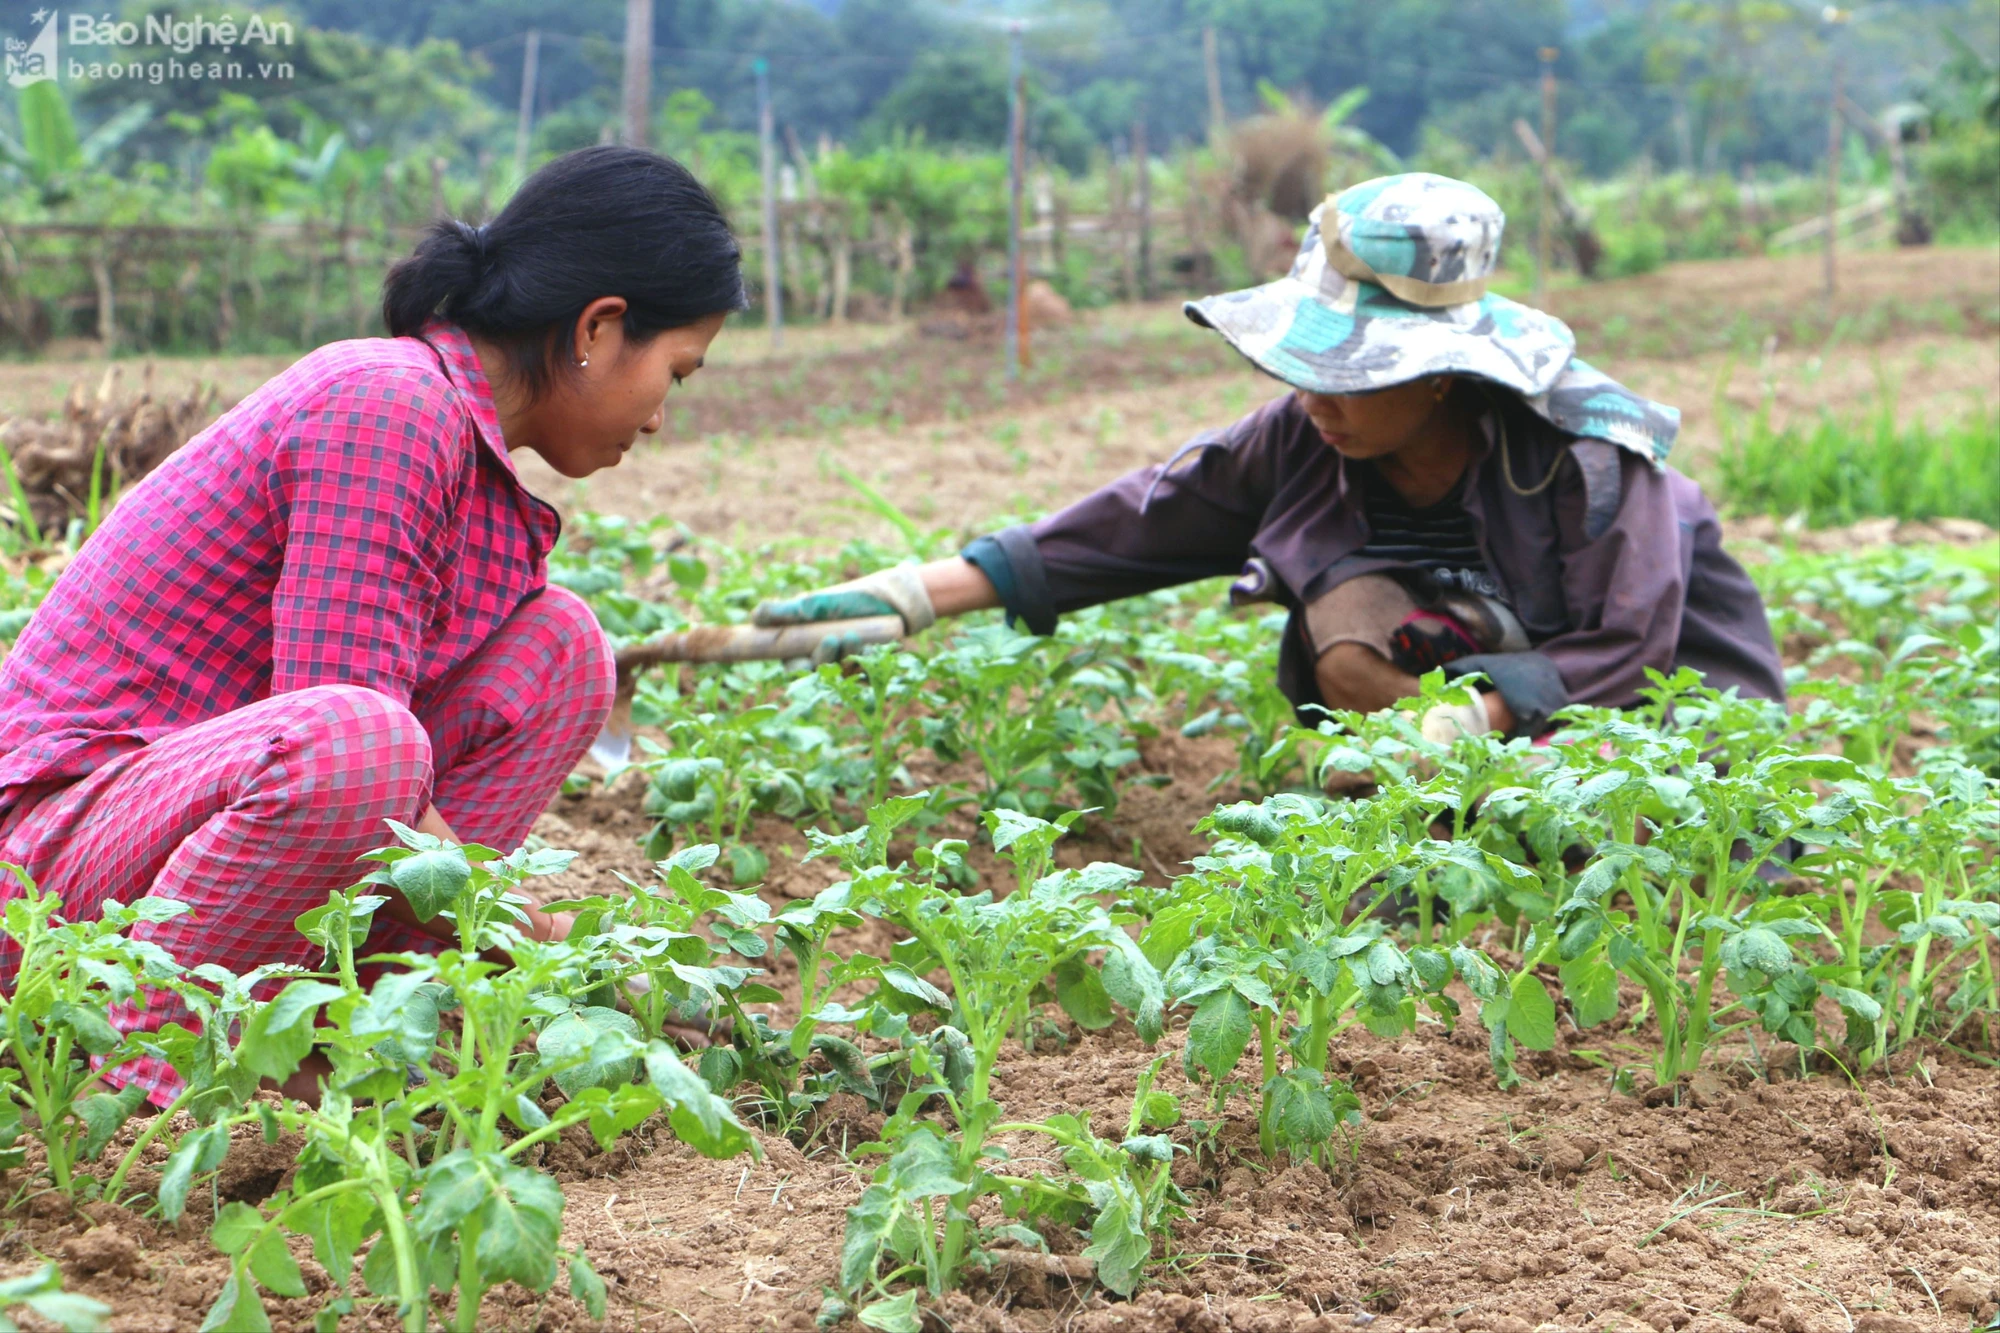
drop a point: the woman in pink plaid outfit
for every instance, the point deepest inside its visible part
(331, 608)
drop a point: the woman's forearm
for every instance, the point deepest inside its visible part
(956, 586)
(541, 925)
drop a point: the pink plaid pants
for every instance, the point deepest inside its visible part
(253, 817)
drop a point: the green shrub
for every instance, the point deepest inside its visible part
(1837, 472)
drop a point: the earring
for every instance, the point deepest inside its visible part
(584, 362)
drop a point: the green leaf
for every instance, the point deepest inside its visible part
(1119, 1245)
(454, 1186)
(898, 1314)
(1591, 985)
(721, 1068)
(103, 1113)
(237, 1308)
(1858, 1003)
(916, 987)
(48, 131)
(71, 1311)
(271, 1263)
(1384, 964)
(1531, 1014)
(1219, 1032)
(848, 1062)
(197, 1153)
(235, 1227)
(403, 1008)
(926, 1166)
(1080, 991)
(594, 1047)
(748, 864)
(327, 1318)
(93, 1032)
(705, 1122)
(280, 1033)
(1131, 980)
(1302, 1110)
(1579, 936)
(871, 1225)
(1481, 977)
(431, 880)
(519, 1227)
(1432, 967)
(41, 1291)
(1761, 949)
(586, 1288)
(337, 1225)
(436, 1263)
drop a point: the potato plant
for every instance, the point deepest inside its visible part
(63, 1086)
(419, 1148)
(914, 1220)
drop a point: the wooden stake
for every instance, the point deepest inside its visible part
(1211, 61)
(774, 288)
(638, 72)
(1121, 227)
(1017, 286)
(1142, 165)
(1542, 228)
(524, 122)
(1832, 177)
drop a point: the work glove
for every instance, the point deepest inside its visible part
(1445, 723)
(898, 590)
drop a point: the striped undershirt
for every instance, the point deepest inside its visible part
(1439, 537)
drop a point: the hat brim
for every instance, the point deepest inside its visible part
(1364, 339)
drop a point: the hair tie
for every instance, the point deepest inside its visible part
(474, 239)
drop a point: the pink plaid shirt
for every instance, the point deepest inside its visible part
(354, 521)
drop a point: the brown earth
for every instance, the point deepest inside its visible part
(967, 475)
(1751, 1197)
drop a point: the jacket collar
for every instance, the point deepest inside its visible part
(461, 366)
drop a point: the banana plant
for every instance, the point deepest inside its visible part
(50, 155)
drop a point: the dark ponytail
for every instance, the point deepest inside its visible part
(603, 221)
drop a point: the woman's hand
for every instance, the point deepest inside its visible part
(898, 591)
(920, 594)
(1486, 712)
(548, 927)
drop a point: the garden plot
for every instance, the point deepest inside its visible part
(1664, 1025)
(1522, 1037)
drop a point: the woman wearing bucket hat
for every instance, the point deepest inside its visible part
(1447, 485)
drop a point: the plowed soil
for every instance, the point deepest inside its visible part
(1756, 1196)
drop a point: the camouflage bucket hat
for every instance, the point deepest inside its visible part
(1390, 286)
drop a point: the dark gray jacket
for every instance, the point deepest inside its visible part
(1613, 567)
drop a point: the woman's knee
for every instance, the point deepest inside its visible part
(354, 757)
(1354, 677)
(586, 668)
